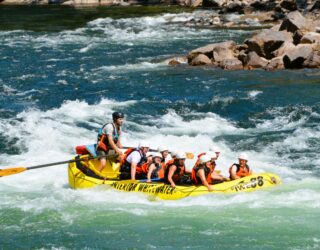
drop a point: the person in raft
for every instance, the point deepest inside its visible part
(165, 154)
(152, 169)
(201, 173)
(216, 150)
(109, 140)
(134, 158)
(216, 178)
(175, 170)
(240, 170)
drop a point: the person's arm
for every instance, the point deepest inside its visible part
(170, 175)
(152, 167)
(233, 173)
(218, 177)
(133, 170)
(203, 179)
(119, 143)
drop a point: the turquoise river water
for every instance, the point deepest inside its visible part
(62, 74)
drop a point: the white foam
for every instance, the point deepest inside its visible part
(131, 67)
(254, 93)
(49, 136)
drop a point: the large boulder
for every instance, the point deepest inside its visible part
(289, 5)
(313, 61)
(315, 6)
(223, 51)
(267, 41)
(254, 61)
(200, 60)
(311, 37)
(206, 50)
(275, 63)
(285, 47)
(295, 21)
(231, 64)
(295, 58)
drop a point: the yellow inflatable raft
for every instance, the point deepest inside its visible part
(83, 174)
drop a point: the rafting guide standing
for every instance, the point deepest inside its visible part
(109, 140)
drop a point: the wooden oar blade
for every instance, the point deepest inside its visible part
(10, 171)
(189, 155)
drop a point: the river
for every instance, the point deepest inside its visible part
(64, 73)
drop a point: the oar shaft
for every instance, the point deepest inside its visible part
(57, 163)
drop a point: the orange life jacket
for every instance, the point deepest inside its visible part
(157, 173)
(241, 172)
(207, 172)
(180, 170)
(103, 142)
(198, 159)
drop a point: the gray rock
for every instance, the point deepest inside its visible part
(315, 6)
(313, 61)
(223, 51)
(295, 21)
(295, 58)
(200, 60)
(231, 64)
(285, 47)
(206, 50)
(254, 61)
(268, 41)
(311, 37)
(275, 63)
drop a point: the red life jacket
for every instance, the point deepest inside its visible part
(241, 172)
(207, 172)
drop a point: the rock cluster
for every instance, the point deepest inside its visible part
(295, 43)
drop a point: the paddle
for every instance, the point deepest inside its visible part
(188, 154)
(11, 171)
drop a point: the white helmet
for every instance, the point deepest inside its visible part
(162, 148)
(173, 153)
(205, 158)
(157, 155)
(243, 156)
(144, 144)
(211, 154)
(181, 155)
(214, 149)
(150, 154)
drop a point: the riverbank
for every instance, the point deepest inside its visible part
(294, 43)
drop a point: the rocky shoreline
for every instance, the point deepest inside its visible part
(291, 43)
